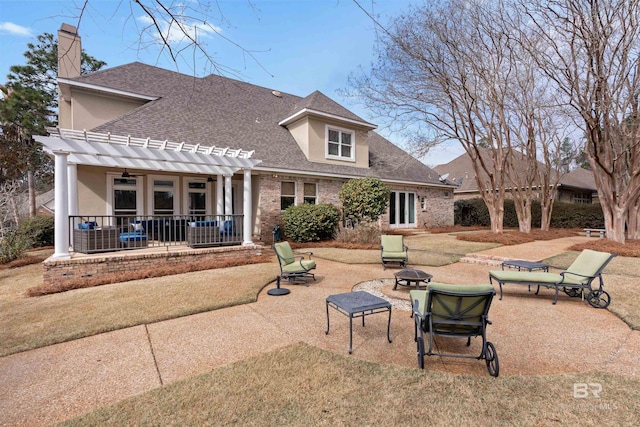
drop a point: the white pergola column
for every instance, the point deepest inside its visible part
(228, 199)
(61, 219)
(72, 180)
(247, 210)
(219, 195)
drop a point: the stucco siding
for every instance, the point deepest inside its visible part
(90, 110)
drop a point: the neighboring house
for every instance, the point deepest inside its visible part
(156, 143)
(577, 186)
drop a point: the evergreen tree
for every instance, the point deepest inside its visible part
(28, 106)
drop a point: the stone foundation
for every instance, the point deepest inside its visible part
(61, 272)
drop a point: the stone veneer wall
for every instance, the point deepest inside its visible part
(437, 210)
(269, 203)
(67, 271)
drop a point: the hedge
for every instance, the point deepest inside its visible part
(470, 212)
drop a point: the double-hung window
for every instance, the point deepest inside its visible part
(310, 193)
(340, 143)
(287, 194)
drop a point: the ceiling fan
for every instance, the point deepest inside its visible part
(126, 174)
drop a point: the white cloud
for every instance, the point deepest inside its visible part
(177, 32)
(15, 29)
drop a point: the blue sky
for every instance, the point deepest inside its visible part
(299, 45)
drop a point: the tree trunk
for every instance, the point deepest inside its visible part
(546, 209)
(496, 213)
(14, 211)
(615, 219)
(523, 210)
(32, 193)
(633, 222)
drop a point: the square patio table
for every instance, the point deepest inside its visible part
(358, 304)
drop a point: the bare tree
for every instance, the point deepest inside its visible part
(536, 124)
(443, 67)
(9, 214)
(179, 29)
(592, 53)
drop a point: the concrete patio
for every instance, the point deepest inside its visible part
(532, 337)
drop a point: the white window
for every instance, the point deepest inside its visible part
(287, 194)
(197, 200)
(340, 144)
(124, 197)
(163, 195)
(310, 193)
(584, 198)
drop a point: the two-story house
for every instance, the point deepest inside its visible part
(139, 140)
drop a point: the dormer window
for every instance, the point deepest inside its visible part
(340, 143)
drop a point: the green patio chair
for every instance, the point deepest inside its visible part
(575, 280)
(292, 268)
(454, 311)
(393, 250)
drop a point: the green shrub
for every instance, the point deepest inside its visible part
(364, 199)
(39, 230)
(308, 222)
(13, 245)
(470, 212)
(565, 215)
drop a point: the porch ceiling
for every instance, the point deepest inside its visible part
(106, 150)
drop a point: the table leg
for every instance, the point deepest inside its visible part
(389, 326)
(327, 331)
(351, 332)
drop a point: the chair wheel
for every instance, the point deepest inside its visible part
(599, 299)
(491, 357)
(572, 292)
(420, 346)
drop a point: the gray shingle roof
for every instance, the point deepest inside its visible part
(220, 111)
(320, 102)
(460, 170)
(579, 178)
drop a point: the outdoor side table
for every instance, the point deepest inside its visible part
(358, 304)
(407, 276)
(526, 265)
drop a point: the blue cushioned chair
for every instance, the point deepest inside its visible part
(134, 239)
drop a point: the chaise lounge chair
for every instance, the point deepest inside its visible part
(456, 311)
(292, 269)
(393, 250)
(575, 280)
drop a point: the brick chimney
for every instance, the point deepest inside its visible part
(69, 56)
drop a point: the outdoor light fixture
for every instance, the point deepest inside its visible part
(210, 179)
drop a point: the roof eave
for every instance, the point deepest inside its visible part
(111, 91)
(346, 176)
(310, 112)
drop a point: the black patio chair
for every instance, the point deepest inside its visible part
(454, 311)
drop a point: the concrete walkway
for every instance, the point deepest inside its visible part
(532, 337)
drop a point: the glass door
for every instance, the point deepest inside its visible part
(402, 209)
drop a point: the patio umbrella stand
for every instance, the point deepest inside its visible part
(278, 291)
